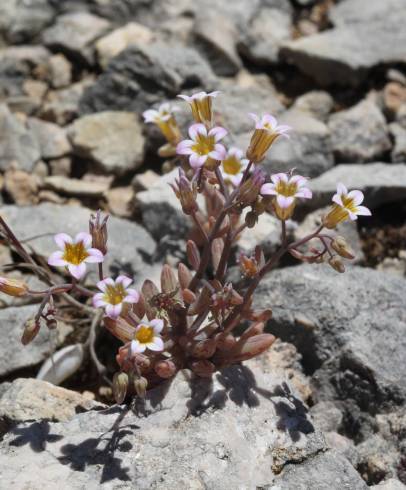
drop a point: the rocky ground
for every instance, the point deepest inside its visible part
(324, 409)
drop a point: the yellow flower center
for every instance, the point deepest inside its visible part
(75, 253)
(145, 334)
(348, 203)
(115, 294)
(204, 144)
(286, 189)
(232, 165)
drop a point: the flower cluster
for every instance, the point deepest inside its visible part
(197, 319)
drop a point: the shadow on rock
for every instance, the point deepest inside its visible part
(239, 386)
(37, 435)
(100, 450)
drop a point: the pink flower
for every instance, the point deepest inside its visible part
(266, 132)
(147, 336)
(201, 105)
(75, 253)
(114, 294)
(270, 123)
(162, 114)
(346, 205)
(233, 166)
(286, 190)
(203, 147)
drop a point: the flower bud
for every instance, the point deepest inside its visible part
(186, 192)
(337, 264)
(140, 385)
(120, 386)
(165, 369)
(31, 329)
(13, 287)
(167, 150)
(98, 230)
(340, 245)
(249, 191)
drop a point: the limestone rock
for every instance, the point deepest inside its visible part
(143, 75)
(53, 141)
(31, 399)
(266, 32)
(336, 322)
(380, 182)
(116, 41)
(347, 53)
(112, 139)
(225, 434)
(74, 33)
(18, 146)
(359, 134)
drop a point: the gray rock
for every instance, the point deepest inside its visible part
(359, 134)
(143, 75)
(52, 139)
(391, 484)
(18, 146)
(161, 211)
(112, 139)
(316, 103)
(216, 37)
(336, 322)
(379, 459)
(13, 355)
(380, 182)
(399, 149)
(344, 446)
(346, 54)
(128, 241)
(266, 233)
(116, 41)
(22, 21)
(59, 71)
(74, 34)
(308, 149)
(62, 106)
(232, 433)
(327, 470)
(234, 103)
(75, 187)
(264, 35)
(327, 417)
(355, 11)
(31, 399)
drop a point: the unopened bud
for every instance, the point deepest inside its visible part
(98, 231)
(31, 329)
(165, 369)
(167, 150)
(186, 192)
(140, 385)
(249, 191)
(337, 264)
(340, 245)
(120, 387)
(13, 287)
